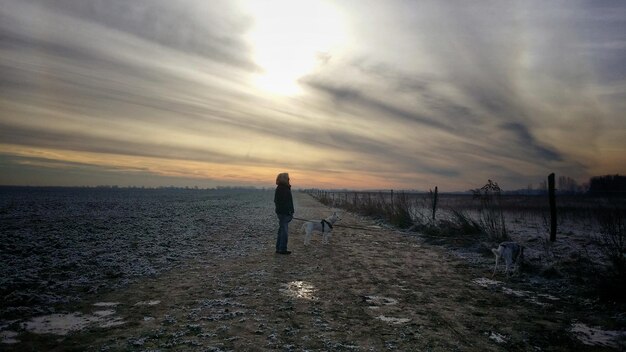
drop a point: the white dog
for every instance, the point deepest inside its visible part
(324, 226)
(511, 252)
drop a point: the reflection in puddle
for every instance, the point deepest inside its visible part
(298, 289)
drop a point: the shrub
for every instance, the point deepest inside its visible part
(491, 215)
(613, 237)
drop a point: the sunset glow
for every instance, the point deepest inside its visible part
(290, 39)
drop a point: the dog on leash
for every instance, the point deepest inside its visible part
(324, 226)
(511, 252)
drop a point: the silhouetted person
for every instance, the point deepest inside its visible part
(284, 211)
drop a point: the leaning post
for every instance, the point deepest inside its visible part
(435, 202)
(552, 199)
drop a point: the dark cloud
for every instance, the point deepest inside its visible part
(523, 137)
(354, 96)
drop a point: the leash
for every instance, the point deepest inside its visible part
(337, 225)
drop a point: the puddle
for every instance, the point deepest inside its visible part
(596, 336)
(298, 289)
(62, 324)
(148, 303)
(393, 320)
(9, 337)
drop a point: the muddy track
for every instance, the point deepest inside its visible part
(369, 290)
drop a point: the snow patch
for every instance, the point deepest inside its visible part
(380, 300)
(393, 320)
(9, 337)
(498, 338)
(547, 296)
(527, 295)
(148, 303)
(516, 293)
(62, 324)
(106, 304)
(596, 336)
(485, 282)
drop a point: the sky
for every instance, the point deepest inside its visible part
(357, 94)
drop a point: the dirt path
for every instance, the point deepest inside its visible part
(368, 290)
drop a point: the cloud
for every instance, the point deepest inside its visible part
(522, 136)
(425, 91)
(214, 31)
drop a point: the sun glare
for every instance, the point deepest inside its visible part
(290, 39)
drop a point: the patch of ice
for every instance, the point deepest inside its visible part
(148, 318)
(596, 336)
(298, 289)
(498, 338)
(380, 300)
(148, 303)
(58, 324)
(393, 320)
(485, 282)
(106, 304)
(9, 337)
(62, 324)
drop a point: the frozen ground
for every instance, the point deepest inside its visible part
(226, 290)
(57, 245)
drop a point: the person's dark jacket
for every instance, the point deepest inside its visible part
(283, 200)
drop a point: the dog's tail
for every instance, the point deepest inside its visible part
(497, 252)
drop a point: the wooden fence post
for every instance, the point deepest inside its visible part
(392, 197)
(552, 199)
(435, 196)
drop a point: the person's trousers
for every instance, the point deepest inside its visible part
(283, 232)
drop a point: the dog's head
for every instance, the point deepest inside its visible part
(333, 218)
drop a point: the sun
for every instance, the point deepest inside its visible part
(290, 38)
